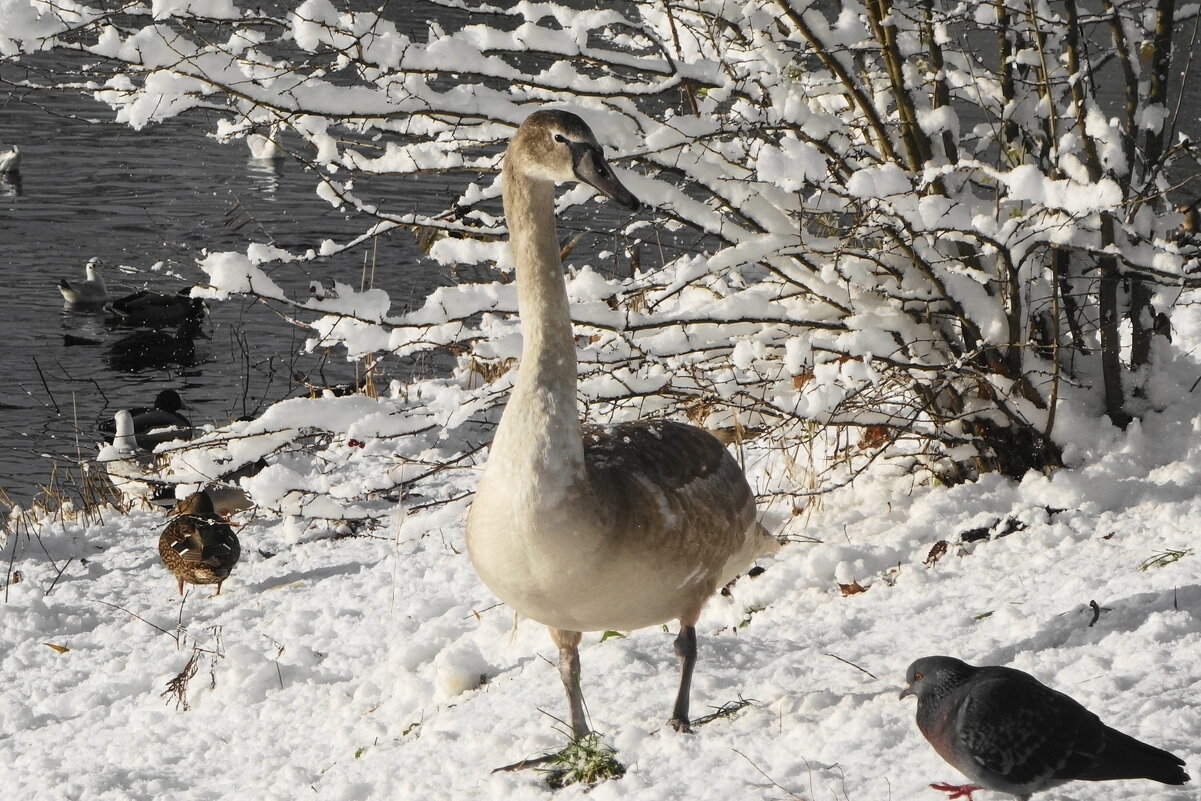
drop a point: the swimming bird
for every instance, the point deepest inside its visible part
(590, 528)
(1007, 731)
(153, 349)
(10, 160)
(157, 424)
(264, 147)
(149, 309)
(89, 292)
(132, 470)
(197, 546)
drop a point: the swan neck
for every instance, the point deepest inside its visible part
(543, 401)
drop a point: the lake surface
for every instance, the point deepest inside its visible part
(89, 188)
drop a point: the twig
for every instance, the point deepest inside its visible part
(172, 634)
(46, 386)
(12, 557)
(852, 664)
(764, 774)
(61, 570)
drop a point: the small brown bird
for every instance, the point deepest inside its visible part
(197, 546)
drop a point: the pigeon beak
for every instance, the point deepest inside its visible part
(906, 691)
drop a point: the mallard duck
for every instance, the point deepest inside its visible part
(89, 292)
(226, 492)
(154, 309)
(323, 289)
(157, 424)
(10, 160)
(147, 349)
(197, 546)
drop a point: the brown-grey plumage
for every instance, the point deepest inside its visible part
(197, 546)
(587, 529)
(1008, 732)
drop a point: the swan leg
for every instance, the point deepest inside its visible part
(569, 671)
(686, 651)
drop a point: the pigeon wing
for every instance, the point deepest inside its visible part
(1023, 732)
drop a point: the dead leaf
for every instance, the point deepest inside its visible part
(936, 553)
(854, 588)
(62, 649)
(873, 437)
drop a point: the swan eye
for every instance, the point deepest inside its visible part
(561, 138)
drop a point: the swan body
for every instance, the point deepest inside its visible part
(589, 528)
(88, 292)
(10, 160)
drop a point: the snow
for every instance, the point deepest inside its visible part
(375, 664)
(355, 654)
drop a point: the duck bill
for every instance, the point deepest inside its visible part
(591, 168)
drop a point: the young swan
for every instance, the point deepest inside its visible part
(589, 528)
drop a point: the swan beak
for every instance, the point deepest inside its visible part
(591, 168)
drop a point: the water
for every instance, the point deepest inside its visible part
(89, 188)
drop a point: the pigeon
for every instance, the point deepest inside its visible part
(1008, 732)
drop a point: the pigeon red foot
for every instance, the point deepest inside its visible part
(954, 791)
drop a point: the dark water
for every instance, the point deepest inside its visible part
(152, 201)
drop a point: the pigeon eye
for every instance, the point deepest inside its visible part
(919, 676)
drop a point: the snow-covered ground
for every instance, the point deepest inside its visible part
(349, 667)
(360, 662)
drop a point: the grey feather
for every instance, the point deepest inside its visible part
(1008, 732)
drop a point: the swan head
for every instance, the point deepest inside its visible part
(558, 146)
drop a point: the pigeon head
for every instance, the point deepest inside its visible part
(932, 673)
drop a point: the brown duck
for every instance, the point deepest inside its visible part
(197, 546)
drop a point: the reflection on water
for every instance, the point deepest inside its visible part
(148, 204)
(265, 175)
(10, 184)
